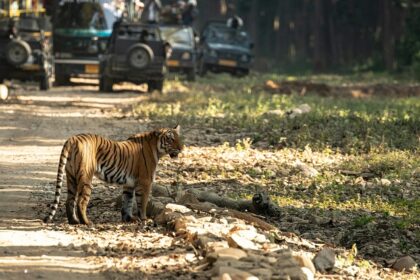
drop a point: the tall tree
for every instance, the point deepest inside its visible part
(388, 38)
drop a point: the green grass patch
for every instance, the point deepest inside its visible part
(238, 105)
(377, 135)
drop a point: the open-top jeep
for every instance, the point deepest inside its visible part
(136, 53)
(25, 50)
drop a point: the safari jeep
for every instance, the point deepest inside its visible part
(183, 57)
(224, 49)
(136, 53)
(25, 50)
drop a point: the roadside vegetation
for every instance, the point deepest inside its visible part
(345, 171)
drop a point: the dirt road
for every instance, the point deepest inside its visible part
(33, 126)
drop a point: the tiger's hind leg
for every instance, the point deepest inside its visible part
(71, 200)
(84, 191)
(127, 205)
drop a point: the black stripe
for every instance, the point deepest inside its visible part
(71, 178)
(128, 193)
(125, 151)
(144, 158)
(108, 171)
(151, 149)
(102, 156)
(106, 150)
(117, 174)
(109, 164)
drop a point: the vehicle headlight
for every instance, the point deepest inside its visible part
(186, 56)
(244, 58)
(102, 45)
(92, 49)
(213, 53)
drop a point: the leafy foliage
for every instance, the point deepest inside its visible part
(408, 49)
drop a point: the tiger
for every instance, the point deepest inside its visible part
(131, 164)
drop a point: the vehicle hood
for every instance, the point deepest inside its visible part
(228, 47)
(181, 47)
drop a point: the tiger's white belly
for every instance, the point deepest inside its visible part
(124, 180)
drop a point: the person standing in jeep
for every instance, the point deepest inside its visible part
(151, 11)
(190, 13)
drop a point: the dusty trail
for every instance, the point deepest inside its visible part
(33, 126)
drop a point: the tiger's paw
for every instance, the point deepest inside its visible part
(130, 219)
(147, 223)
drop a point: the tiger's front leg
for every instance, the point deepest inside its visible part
(127, 205)
(142, 198)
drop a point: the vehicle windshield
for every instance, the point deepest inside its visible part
(23, 24)
(226, 35)
(28, 24)
(87, 14)
(178, 36)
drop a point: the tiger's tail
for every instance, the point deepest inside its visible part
(59, 184)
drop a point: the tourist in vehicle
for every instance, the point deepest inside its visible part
(138, 10)
(190, 13)
(235, 22)
(152, 10)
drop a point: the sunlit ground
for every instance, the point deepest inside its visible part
(365, 153)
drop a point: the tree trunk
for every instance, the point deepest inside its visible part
(388, 38)
(319, 37)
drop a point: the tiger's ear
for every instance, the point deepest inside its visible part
(177, 128)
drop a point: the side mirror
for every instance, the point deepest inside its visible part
(42, 34)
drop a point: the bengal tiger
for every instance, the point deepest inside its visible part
(131, 163)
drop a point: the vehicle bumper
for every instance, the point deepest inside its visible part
(223, 65)
(78, 66)
(117, 69)
(175, 65)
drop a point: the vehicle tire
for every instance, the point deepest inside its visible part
(155, 85)
(45, 82)
(17, 52)
(150, 86)
(139, 56)
(241, 73)
(202, 71)
(159, 85)
(105, 84)
(191, 75)
(61, 79)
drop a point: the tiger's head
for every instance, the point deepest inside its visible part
(170, 142)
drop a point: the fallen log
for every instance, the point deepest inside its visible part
(260, 204)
